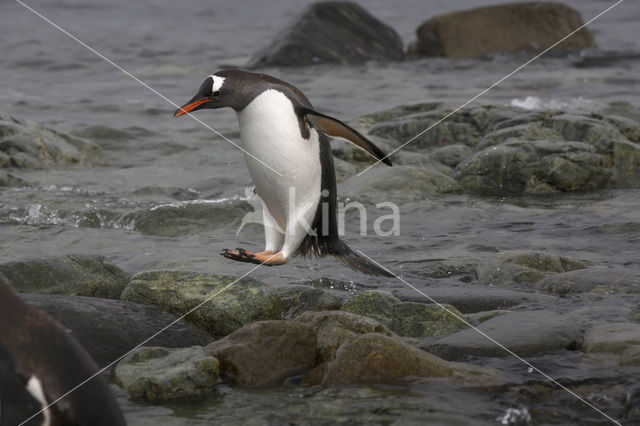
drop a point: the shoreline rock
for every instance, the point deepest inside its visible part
(156, 374)
(25, 144)
(178, 292)
(331, 32)
(506, 28)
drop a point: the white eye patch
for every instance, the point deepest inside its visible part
(217, 82)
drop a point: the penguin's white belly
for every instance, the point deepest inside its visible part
(270, 132)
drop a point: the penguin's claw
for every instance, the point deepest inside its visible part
(264, 258)
(239, 255)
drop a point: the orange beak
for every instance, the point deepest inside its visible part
(185, 109)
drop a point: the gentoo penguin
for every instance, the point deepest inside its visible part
(280, 130)
(38, 356)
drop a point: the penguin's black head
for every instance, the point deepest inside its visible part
(213, 93)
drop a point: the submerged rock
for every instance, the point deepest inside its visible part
(518, 266)
(9, 179)
(593, 280)
(406, 318)
(524, 333)
(156, 374)
(107, 329)
(331, 32)
(619, 341)
(178, 292)
(79, 275)
(266, 352)
(26, 144)
(376, 358)
(506, 28)
(634, 315)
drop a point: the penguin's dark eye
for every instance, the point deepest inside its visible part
(216, 93)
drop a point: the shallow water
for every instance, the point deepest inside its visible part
(177, 166)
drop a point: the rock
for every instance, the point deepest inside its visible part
(601, 281)
(299, 299)
(375, 304)
(334, 328)
(376, 358)
(331, 32)
(524, 333)
(406, 318)
(156, 374)
(619, 341)
(399, 183)
(70, 274)
(517, 151)
(518, 266)
(451, 155)
(26, 144)
(107, 329)
(266, 352)
(507, 28)
(178, 292)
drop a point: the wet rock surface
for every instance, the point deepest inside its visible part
(299, 299)
(600, 281)
(619, 342)
(25, 144)
(406, 318)
(524, 333)
(331, 32)
(505, 28)
(79, 275)
(157, 374)
(517, 151)
(107, 329)
(376, 358)
(266, 352)
(178, 292)
(520, 267)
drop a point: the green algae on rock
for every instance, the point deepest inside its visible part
(79, 275)
(407, 319)
(157, 374)
(178, 292)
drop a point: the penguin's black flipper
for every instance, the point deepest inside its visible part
(336, 128)
(358, 262)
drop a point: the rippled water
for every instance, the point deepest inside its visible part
(161, 168)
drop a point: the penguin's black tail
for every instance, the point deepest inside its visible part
(358, 262)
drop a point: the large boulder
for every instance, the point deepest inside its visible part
(331, 32)
(265, 352)
(506, 28)
(26, 144)
(79, 275)
(156, 374)
(228, 306)
(602, 281)
(109, 328)
(297, 299)
(376, 358)
(524, 333)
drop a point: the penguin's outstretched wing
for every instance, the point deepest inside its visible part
(336, 128)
